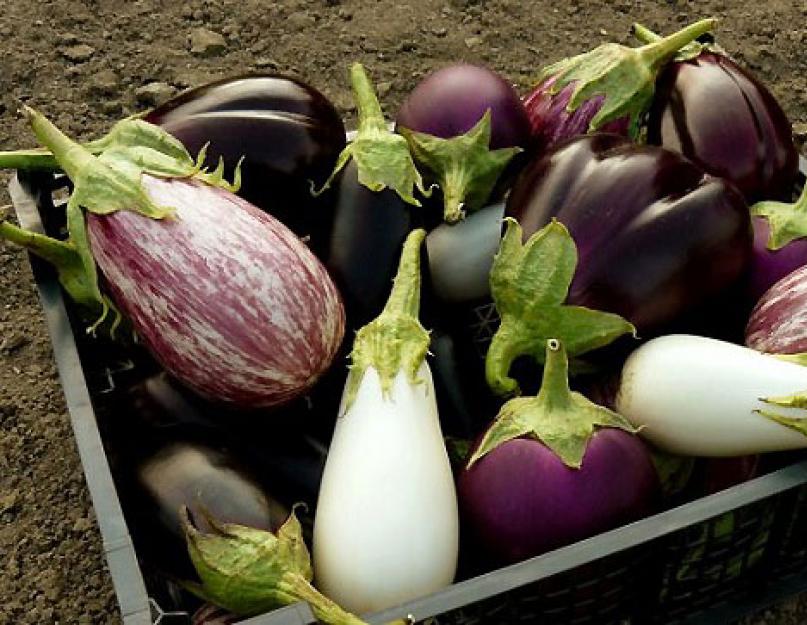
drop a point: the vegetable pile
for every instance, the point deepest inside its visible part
(538, 296)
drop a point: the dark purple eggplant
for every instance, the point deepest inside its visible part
(656, 236)
(287, 132)
(719, 116)
(369, 229)
(375, 207)
(207, 481)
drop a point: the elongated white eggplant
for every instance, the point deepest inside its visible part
(698, 396)
(386, 524)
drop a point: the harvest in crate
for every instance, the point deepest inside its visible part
(462, 339)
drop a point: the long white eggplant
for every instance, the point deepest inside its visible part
(386, 524)
(697, 396)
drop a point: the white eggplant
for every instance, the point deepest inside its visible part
(386, 524)
(698, 396)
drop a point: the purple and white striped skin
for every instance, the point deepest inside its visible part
(551, 123)
(778, 323)
(224, 296)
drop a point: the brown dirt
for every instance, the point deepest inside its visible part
(88, 63)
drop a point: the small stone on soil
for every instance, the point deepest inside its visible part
(154, 93)
(13, 342)
(206, 43)
(78, 53)
(105, 82)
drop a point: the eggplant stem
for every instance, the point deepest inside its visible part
(71, 156)
(658, 52)
(405, 296)
(324, 609)
(371, 116)
(36, 158)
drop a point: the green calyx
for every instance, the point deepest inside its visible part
(382, 157)
(624, 76)
(107, 177)
(465, 167)
(249, 571)
(561, 419)
(395, 340)
(529, 283)
(797, 401)
(787, 222)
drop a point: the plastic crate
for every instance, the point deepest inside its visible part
(707, 561)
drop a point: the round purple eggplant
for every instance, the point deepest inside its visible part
(656, 236)
(521, 500)
(287, 132)
(465, 124)
(450, 101)
(553, 469)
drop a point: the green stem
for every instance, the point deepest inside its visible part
(370, 115)
(52, 250)
(28, 159)
(455, 185)
(324, 609)
(660, 51)
(71, 156)
(555, 391)
(405, 296)
(644, 34)
(503, 350)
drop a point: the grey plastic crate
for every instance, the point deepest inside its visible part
(708, 561)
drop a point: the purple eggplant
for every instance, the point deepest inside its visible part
(606, 89)
(723, 119)
(778, 323)
(656, 236)
(768, 266)
(464, 123)
(553, 469)
(551, 122)
(224, 296)
(287, 133)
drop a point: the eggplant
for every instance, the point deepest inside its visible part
(286, 131)
(224, 296)
(206, 480)
(368, 232)
(722, 118)
(465, 124)
(656, 235)
(375, 207)
(607, 89)
(778, 323)
(553, 469)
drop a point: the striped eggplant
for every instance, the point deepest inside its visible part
(778, 323)
(226, 297)
(223, 295)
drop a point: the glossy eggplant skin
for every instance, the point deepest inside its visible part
(365, 245)
(288, 133)
(723, 119)
(169, 447)
(656, 236)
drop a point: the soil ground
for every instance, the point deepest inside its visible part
(88, 63)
